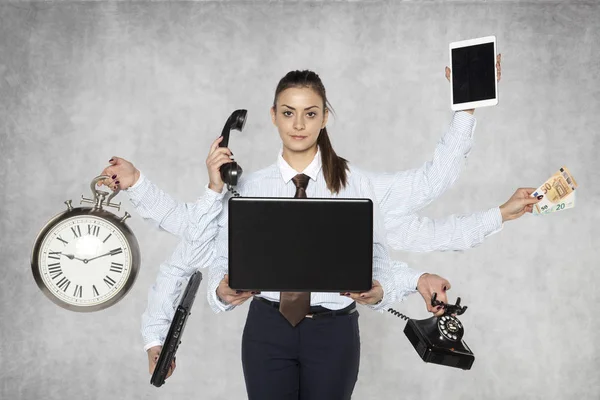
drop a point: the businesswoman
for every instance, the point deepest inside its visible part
(284, 354)
(321, 145)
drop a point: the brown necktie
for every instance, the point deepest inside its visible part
(295, 305)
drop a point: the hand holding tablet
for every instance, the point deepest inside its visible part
(475, 73)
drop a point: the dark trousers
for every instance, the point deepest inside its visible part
(316, 360)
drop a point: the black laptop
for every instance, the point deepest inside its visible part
(288, 244)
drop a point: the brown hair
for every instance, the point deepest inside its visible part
(334, 166)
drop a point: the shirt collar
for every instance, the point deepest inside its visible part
(287, 172)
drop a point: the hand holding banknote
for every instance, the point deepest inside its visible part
(518, 204)
(558, 192)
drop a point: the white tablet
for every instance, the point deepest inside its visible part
(473, 83)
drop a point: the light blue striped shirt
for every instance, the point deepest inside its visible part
(399, 196)
(275, 181)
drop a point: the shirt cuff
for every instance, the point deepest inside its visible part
(137, 190)
(463, 118)
(138, 182)
(389, 294)
(406, 283)
(219, 304)
(152, 344)
(492, 221)
(414, 281)
(212, 195)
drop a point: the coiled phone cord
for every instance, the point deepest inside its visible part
(232, 190)
(398, 314)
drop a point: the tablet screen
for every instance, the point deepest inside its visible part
(473, 73)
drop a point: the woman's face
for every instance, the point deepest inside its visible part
(299, 117)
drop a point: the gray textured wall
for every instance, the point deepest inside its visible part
(153, 82)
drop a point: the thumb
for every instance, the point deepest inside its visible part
(114, 160)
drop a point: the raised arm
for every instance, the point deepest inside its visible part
(173, 216)
(157, 206)
(405, 192)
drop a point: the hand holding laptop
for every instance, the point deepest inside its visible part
(153, 354)
(373, 296)
(229, 296)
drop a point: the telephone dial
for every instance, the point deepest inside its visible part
(231, 172)
(438, 340)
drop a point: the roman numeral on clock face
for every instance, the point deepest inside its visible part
(95, 290)
(116, 267)
(116, 251)
(64, 284)
(54, 270)
(109, 235)
(93, 230)
(54, 255)
(76, 232)
(109, 281)
(78, 291)
(62, 240)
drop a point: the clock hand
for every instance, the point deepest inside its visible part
(71, 256)
(99, 256)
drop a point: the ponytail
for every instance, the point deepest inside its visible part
(334, 166)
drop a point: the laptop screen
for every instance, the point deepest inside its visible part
(287, 244)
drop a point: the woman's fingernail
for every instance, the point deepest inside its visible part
(445, 288)
(113, 177)
(238, 291)
(111, 160)
(117, 182)
(540, 196)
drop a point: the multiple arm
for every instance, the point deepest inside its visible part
(398, 196)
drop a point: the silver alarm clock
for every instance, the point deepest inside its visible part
(86, 258)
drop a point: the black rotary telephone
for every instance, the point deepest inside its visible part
(438, 340)
(231, 172)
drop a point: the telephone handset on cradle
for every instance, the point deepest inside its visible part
(438, 340)
(231, 172)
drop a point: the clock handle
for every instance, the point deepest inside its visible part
(99, 195)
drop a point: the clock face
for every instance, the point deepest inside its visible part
(85, 261)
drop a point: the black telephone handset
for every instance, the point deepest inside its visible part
(231, 172)
(438, 340)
